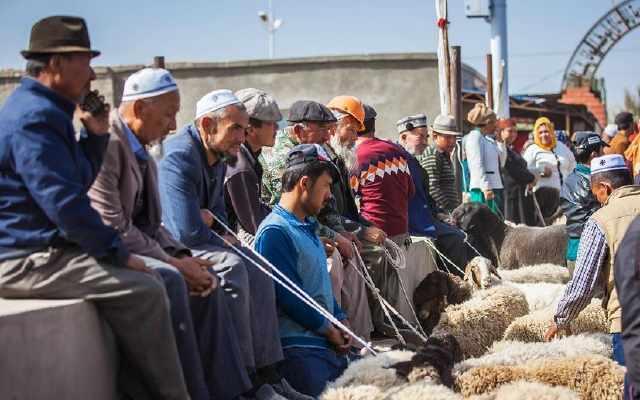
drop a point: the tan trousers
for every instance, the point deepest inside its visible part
(351, 294)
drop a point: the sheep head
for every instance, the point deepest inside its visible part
(478, 273)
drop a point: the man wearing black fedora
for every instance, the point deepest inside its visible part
(52, 243)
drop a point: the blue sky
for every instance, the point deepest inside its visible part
(542, 33)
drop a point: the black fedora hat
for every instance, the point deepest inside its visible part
(59, 34)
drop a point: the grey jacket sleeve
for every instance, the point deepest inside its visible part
(242, 191)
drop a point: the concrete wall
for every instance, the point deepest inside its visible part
(396, 85)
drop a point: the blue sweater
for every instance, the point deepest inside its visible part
(420, 218)
(188, 184)
(293, 247)
(45, 174)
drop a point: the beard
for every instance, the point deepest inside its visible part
(345, 152)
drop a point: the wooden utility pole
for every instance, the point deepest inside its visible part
(158, 62)
(489, 81)
(456, 112)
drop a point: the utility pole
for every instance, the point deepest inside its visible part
(272, 24)
(500, 58)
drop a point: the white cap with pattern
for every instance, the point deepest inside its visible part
(607, 163)
(215, 100)
(148, 82)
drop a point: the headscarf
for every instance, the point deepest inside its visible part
(536, 137)
(504, 123)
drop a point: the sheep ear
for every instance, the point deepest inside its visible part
(475, 275)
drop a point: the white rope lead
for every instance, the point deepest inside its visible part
(385, 304)
(433, 246)
(290, 285)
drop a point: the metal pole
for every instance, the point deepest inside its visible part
(489, 99)
(500, 58)
(456, 111)
(271, 31)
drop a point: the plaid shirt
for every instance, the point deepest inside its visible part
(592, 254)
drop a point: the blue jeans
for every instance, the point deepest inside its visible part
(618, 352)
(309, 370)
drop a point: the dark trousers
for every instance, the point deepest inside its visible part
(450, 241)
(309, 370)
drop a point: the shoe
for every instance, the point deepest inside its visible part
(267, 392)
(284, 389)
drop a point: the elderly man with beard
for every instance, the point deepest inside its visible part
(191, 179)
(243, 183)
(425, 218)
(125, 193)
(312, 123)
(53, 244)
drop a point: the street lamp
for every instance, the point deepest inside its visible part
(272, 24)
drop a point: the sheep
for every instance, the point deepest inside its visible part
(592, 377)
(374, 371)
(523, 390)
(421, 390)
(548, 273)
(480, 321)
(360, 392)
(434, 293)
(531, 327)
(433, 362)
(510, 247)
(514, 353)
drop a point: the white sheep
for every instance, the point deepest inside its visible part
(374, 371)
(523, 390)
(548, 273)
(514, 353)
(420, 391)
(532, 327)
(360, 392)
(482, 320)
(539, 295)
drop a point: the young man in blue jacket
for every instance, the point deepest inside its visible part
(53, 244)
(313, 347)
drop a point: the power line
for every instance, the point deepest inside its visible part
(551, 53)
(541, 80)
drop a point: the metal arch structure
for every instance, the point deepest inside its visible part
(599, 40)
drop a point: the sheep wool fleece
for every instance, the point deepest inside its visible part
(614, 220)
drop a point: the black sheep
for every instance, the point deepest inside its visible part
(434, 293)
(510, 247)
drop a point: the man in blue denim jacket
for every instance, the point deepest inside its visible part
(313, 347)
(191, 183)
(53, 245)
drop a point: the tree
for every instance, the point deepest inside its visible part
(632, 102)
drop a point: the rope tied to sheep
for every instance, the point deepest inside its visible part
(286, 283)
(443, 257)
(384, 304)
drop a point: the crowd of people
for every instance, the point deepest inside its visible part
(161, 248)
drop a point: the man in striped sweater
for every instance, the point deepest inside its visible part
(436, 161)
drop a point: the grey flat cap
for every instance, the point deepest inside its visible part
(259, 105)
(411, 122)
(445, 125)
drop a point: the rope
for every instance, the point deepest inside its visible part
(298, 292)
(398, 260)
(385, 304)
(369, 282)
(466, 241)
(433, 246)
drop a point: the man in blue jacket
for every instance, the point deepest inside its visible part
(314, 348)
(191, 184)
(53, 245)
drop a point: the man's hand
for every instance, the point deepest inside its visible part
(335, 337)
(374, 235)
(553, 331)
(137, 263)
(348, 339)
(344, 246)
(329, 246)
(488, 194)
(354, 239)
(230, 240)
(98, 124)
(207, 217)
(195, 273)
(546, 172)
